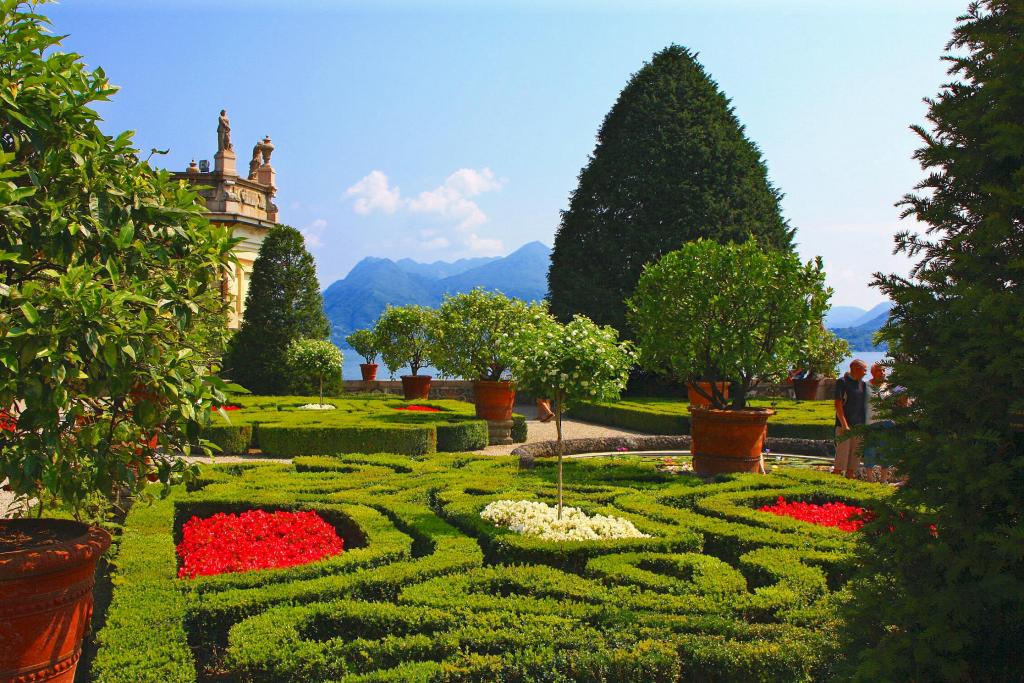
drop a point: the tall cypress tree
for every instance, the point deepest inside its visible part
(283, 304)
(671, 164)
(945, 597)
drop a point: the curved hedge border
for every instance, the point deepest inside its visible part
(366, 424)
(794, 420)
(427, 591)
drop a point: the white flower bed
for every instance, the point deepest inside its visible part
(531, 518)
(317, 406)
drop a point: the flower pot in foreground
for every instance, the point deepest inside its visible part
(725, 441)
(416, 387)
(698, 401)
(806, 389)
(369, 371)
(47, 572)
(494, 400)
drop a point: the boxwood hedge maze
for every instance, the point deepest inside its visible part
(427, 591)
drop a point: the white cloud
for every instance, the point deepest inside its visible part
(374, 194)
(314, 233)
(451, 200)
(483, 246)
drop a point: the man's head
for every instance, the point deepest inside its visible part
(878, 372)
(858, 369)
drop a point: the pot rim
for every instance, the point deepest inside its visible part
(86, 545)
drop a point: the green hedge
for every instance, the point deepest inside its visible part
(428, 591)
(793, 419)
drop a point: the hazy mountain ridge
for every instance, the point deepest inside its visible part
(859, 330)
(356, 301)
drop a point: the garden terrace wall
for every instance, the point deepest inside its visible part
(719, 592)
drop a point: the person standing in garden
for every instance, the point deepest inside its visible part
(851, 399)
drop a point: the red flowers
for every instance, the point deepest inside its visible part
(8, 422)
(228, 543)
(229, 406)
(841, 515)
(421, 409)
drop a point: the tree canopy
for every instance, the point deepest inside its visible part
(672, 164)
(283, 304)
(943, 597)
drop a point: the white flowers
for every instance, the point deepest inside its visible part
(317, 406)
(531, 518)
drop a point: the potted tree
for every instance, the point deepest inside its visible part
(820, 353)
(727, 312)
(364, 342)
(110, 311)
(578, 361)
(402, 334)
(472, 338)
(318, 358)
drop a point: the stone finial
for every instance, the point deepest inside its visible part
(268, 148)
(256, 161)
(192, 168)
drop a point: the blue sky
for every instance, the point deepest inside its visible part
(445, 130)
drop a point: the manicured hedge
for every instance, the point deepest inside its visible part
(359, 424)
(793, 419)
(427, 591)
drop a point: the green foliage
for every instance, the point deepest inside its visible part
(948, 606)
(277, 426)
(427, 591)
(474, 334)
(792, 419)
(364, 342)
(822, 351)
(283, 304)
(712, 311)
(109, 286)
(318, 358)
(672, 164)
(403, 335)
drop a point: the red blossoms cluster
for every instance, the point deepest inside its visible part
(227, 543)
(841, 515)
(421, 409)
(228, 407)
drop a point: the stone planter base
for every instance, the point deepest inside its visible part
(499, 432)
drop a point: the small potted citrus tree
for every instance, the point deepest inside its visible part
(726, 312)
(577, 361)
(110, 310)
(472, 338)
(364, 342)
(402, 334)
(820, 353)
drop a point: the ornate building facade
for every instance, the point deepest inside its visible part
(245, 204)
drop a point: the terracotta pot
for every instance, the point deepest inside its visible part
(806, 389)
(727, 440)
(416, 387)
(494, 400)
(369, 371)
(46, 596)
(698, 401)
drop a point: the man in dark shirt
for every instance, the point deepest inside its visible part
(851, 410)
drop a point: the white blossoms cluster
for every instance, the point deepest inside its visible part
(317, 406)
(531, 518)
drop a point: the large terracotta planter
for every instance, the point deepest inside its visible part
(369, 371)
(416, 387)
(806, 389)
(47, 571)
(494, 400)
(727, 440)
(698, 401)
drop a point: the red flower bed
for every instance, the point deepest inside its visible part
(840, 515)
(228, 543)
(230, 406)
(421, 409)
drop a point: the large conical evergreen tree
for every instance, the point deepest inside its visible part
(283, 304)
(946, 602)
(671, 165)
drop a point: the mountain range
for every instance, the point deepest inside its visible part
(356, 301)
(858, 326)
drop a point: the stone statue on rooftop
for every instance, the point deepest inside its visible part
(223, 132)
(257, 160)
